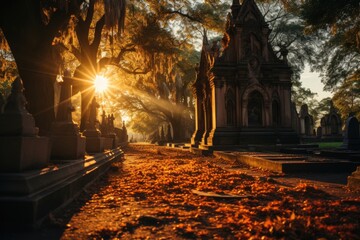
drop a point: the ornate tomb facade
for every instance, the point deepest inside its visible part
(243, 90)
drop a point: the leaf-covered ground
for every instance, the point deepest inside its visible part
(149, 196)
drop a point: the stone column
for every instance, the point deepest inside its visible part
(20, 146)
(94, 141)
(199, 118)
(67, 141)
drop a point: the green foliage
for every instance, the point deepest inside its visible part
(288, 32)
(347, 98)
(8, 70)
(337, 24)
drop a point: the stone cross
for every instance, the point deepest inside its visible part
(352, 138)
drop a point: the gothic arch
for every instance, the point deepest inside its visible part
(265, 108)
(257, 87)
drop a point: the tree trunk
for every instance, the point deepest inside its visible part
(30, 41)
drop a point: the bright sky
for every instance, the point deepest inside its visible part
(312, 80)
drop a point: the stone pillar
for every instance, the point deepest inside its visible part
(110, 139)
(67, 141)
(352, 136)
(20, 146)
(199, 122)
(94, 141)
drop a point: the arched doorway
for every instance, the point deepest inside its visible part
(255, 109)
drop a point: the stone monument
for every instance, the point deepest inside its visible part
(243, 90)
(331, 125)
(67, 141)
(94, 140)
(351, 136)
(20, 146)
(107, 129)
(306, 122)
(168, 134)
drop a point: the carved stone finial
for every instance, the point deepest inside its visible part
(284, 52)
(16, 101)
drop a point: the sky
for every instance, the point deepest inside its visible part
(313, 81)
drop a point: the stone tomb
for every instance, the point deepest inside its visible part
(306, 122)
(243, 89)
(351, 137)
(331, 125)
(20, 146)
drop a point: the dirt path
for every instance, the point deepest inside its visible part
(149, 196)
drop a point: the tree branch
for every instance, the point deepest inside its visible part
(97, 35)
(178, 12)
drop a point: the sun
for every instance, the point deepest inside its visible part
(100, 83)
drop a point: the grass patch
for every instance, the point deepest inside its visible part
(329, 144)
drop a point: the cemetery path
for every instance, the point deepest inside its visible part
(149, 195)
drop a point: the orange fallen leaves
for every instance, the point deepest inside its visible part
(158, 183)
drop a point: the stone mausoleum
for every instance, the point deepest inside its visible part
(243, 90)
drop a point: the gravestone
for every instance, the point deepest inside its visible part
(94, 140)
(20, 146)
(351, 136)
(108, 131)
(67, 141)
(306, 122)
(331, 125)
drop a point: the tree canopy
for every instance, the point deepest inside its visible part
(149, 49)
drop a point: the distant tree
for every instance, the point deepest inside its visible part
(31, 28)
(337, 24)
(287, 32)
(347, 98)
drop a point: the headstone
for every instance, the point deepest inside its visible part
(351, 137)
(108, 132)
(20, 146)
(67, 141)
(306, 122)
(331, 125)
(94, 140)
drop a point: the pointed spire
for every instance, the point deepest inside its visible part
(205, 38)
(235, 8)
